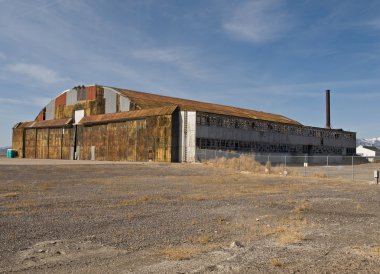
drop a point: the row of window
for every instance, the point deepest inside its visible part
(245, 146)
(212, 120)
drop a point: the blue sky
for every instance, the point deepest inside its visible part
(272, 55)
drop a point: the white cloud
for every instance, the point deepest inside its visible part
(258, 21)
(37, 72)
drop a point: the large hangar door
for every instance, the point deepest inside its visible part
(187, 133)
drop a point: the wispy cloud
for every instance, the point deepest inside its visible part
(37, 101)
(259, 21)
(37, 72)
(185, 59)
(374, 23)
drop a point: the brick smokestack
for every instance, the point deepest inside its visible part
(328, 124)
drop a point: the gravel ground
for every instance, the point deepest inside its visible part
(182, 218)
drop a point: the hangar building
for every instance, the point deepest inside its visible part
(105, 123)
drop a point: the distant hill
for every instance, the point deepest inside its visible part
(369, 142)
(3, 150)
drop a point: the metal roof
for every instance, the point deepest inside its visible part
(121, 116)
(148, 100)
(45, 123)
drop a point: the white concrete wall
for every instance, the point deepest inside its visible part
(360, 150)
(187, 135)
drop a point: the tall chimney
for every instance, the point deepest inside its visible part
(328, 125)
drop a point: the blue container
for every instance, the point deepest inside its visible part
(11, 153)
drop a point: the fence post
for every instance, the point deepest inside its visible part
(353, 171)
(285, 162)
(304, 165)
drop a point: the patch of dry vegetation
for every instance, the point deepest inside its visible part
(373, 251)
(187, 251)
(249, 164)
(10, 195)
(180, 253)
(276, 262)
(200, 239)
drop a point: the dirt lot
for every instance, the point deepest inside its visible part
(182, 218)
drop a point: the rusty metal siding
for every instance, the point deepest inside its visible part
(50, 110)
(141, 151)
(131, 140)
(86, 141)
(42, 143)
(30, 143)
(18, 141)
(55, 143)
(40, 116)
(60, 100)
(67, 142)
(141, 139)
(91, 93)
(71, 97)
(117, 141)
(99, 139)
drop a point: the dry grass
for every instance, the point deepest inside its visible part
(277, 262)
(244, 163)
(319, 175)
(249, 164)
(10, 195)
(373, 251)
(201, 239)
(301, 206)
(290, 237)
(180, 253)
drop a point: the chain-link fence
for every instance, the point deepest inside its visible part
(355, 168)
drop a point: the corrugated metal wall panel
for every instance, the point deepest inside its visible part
(30, 143)
(55, 141)
(124, 103)
(91, 93)
(81, 94)
(40, 116)
(17, 141)
(50, 110)
(42, 143)
(60, 100)
(110, 97)
(71, 97)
